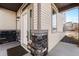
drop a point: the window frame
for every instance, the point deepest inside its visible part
(52, 14)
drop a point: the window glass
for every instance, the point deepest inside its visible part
(54, 23)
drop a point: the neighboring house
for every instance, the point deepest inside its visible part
(75, 26)
(68, 26)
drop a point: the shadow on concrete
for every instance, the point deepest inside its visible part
(70, 40)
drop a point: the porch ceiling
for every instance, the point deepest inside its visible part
(16, 6)
(11, 6)
(65, 6)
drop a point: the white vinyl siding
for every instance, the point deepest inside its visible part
(46, 24)
(44, 16)
(35, 16)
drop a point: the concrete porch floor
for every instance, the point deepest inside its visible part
(64, 49)
(4, 47)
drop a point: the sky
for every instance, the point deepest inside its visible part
(72, 15)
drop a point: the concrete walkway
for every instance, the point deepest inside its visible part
(64, 49)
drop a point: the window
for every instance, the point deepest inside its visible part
(54, 22)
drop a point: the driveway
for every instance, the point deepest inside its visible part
(64, 49)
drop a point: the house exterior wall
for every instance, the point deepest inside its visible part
(7, 19)
(34, 19)
(53, 38)
(45, 18)
(35, 16)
